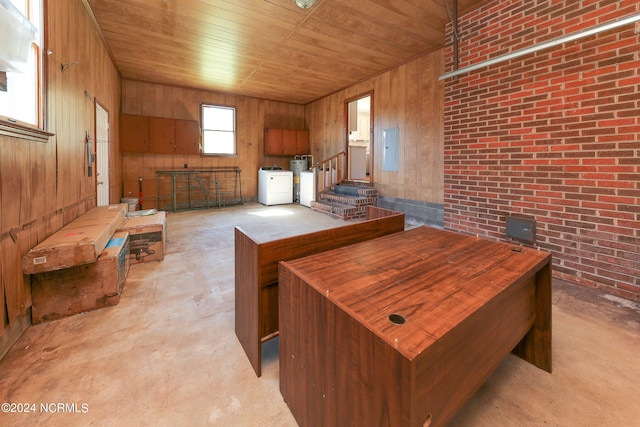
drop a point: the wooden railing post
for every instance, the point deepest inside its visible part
(333, 166)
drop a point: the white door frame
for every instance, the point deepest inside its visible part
(368, 164)
(102, 155)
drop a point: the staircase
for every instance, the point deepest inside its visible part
(346, 200)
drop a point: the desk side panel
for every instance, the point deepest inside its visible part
(247, 291)
(304, 319)
(333, 370)
(324, 240)
(535, 347)
(451, 370)
(374, 212)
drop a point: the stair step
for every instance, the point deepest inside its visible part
(346, 201)
(339, 210)
(332, 196)
(355, 190)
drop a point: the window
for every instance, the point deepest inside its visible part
(218, 130)
(20, 97)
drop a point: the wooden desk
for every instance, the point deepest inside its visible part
(256, 272)
(346, 358)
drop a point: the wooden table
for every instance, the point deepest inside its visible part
(402, 330)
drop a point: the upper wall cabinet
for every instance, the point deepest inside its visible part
(162, 134)
(142, 134)
(303, 146)
(286, 142)
(187, 137)
(134, 133)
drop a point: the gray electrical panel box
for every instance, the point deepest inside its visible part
(391, 150)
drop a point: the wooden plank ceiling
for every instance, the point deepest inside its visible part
(268, 48)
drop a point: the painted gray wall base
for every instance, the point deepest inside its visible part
(415, 211)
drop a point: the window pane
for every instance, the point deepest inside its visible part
(218, 127)
(21, 99)
(21, 5)
(218, 142)
(217, 118)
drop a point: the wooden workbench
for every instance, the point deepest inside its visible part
(402, 330)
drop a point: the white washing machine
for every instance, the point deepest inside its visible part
(275, 186)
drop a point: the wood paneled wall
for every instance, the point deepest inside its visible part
(252, 116)
(46, 185)
(408, 97)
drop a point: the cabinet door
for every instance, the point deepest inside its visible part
(303, 145)
(187, 137)
(289, 141)
(134, 133)
(162, 133)
(273, 142)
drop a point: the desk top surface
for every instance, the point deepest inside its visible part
(433, 279)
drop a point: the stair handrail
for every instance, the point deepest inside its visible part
(329, 172)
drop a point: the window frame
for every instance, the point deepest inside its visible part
(234, 131)
(32, 131)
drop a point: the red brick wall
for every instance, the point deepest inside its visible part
(552, 136)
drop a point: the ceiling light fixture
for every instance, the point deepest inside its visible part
(305, 4)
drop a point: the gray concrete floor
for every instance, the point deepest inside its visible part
(167, 353)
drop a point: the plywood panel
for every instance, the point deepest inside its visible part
(253, 115)
(410, 98)
(411, 130)
(45, 185)
(3, 311)
(12, 278)
(11, 181)
(256, 43)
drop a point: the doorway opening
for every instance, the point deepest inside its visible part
(102, 155)
(360, 139)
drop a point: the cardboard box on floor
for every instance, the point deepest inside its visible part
(65, 292)
(147, 236)
(79, 242)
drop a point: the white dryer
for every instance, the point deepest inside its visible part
(275, 186)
